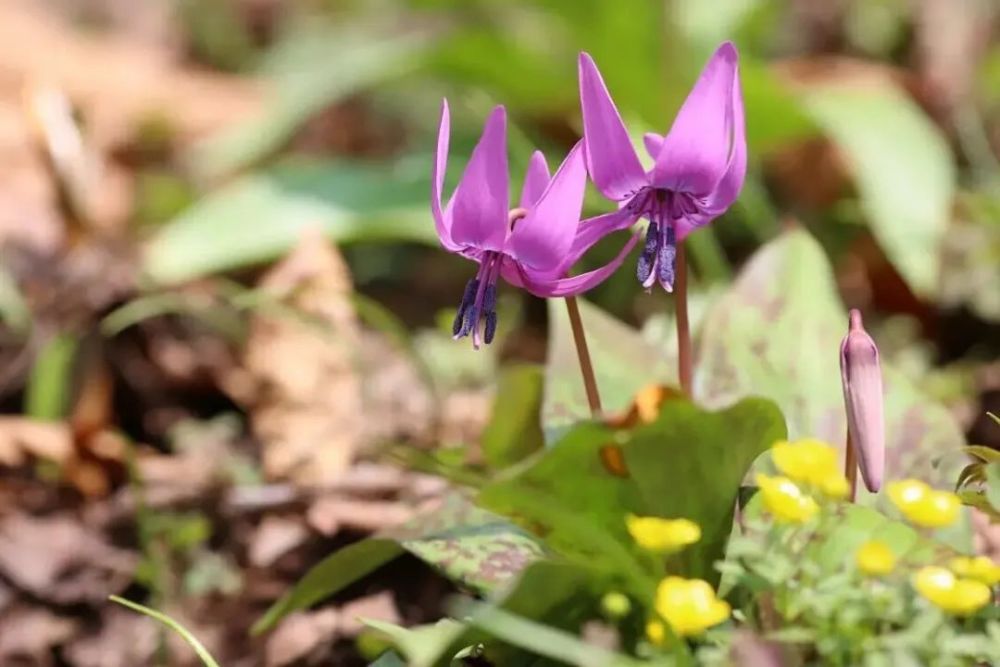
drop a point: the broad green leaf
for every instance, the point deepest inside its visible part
(623, 362)
(50, 384)
(202, 653)
(388, 659)
(689, 463)
(777, 333)
(857, 525)
(904, 170)
(310, 71)
(469, 545)
(993, 484)
(515, 430)
(423, 644)
(260, 217)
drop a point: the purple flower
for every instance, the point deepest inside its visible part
(861, 377)
(531, 246)
(699, 165)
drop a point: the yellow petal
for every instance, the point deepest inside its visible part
(875, 558)
(658, 534)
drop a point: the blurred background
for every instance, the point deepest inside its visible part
(225, 310)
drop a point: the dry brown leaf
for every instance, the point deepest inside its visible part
(22, 438)
(274, 537)
(59, 560)
(30, 633)
(306, 404)
(379, 607)
(299, 635)
(331, 513)
(105, 646)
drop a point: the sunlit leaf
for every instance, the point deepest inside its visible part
(777, 333)
(623, 362)
(469, 545)
(261, 217)
(903, 168)
(514, 430)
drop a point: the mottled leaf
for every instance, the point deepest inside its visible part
(469, 545)
(623, 362)
(777, 333)
(260, 217)
(688, 463)
(515, 428)
(903, 168)
(993, 484)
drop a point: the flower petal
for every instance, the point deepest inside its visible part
(592, 230)
(442, 220)
(728, 188)
(535, 180)
(861, 376)
(611, 160)
(696, 151)
(541, 240)
(479, 206)
(653, 143)
(545, 286)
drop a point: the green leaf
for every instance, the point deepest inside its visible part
(858, 524)
(310, 72)
(515, 430)
(689, 463)
(203, 654)
(469, 545)
(13, 308)
(777, 333)
(623, 362)
(982, 452)
(389, 659)
(993, 484)
(904, 170)
(423, 644)
(50, 385)
(260, 217)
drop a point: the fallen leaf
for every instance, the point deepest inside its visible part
(22, 438)
(104, 647)
(60, 560)
(275, 537)
(331, 513)
(300, 634)
(30, 633)
(307, 408)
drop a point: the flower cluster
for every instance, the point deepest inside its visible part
(808, 467)
(922, 505)
(699, 171)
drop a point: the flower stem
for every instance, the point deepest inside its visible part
(583, 354)
(684, 361)
(851, 468)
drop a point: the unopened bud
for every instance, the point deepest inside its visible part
(861, 375)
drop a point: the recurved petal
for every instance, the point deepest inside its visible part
(729, 186)
(861, 376)
(442, 219)
(535, 180)
(696, 151)
(653, 143)
(611, 160)
(592, 230)
(542, 239)
(545, 286)
(479, 206)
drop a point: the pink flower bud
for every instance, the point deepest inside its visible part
(861, 375)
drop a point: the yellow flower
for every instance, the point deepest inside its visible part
(808, 461)
(689, 605)
(957, 596)
(980, 568)
(875, 558)
(656, 534)
(656, 632)
(922, 505)
(834, 485)
(785, 500)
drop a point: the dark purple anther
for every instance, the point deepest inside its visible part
(468, 297)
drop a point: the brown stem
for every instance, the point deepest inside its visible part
(851, 467)
(684, 361)
(583, 354)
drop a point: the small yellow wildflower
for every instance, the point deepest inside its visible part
(689, 605)
(615, 604)
(957, 596)
(980, 568)
(834, 486)
(922, 505)
(807, 461)
(785, 500)
(656, 632)
(875, 558)
(656, 534)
